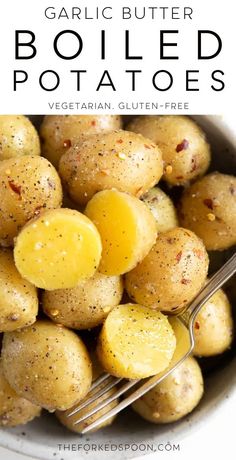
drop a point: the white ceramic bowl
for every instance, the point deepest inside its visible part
(41, 438)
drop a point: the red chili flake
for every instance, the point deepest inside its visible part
(120, 141)
(93, 123)
(185, 281)
(147, 146)
(15, 188)
(170, 240)
(179, 177)
(209, 203)
(67, 144)
(197, 325)
(182, 146)
(198, 253)
(194, 164)
(179, 255)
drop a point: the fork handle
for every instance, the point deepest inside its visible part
(215, 283)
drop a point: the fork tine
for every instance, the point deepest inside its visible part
(111, 382)
(148, 385)
(107, 401)
(99, 380)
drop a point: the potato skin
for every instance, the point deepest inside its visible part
(182, 142)
(174, 397)
(29, 184)
(162, 209)
(14, 410)
(59, 132)
(213, 327)
(171, 274)
(208, 208)
(18, 299)
(122, 160)
(85, 306)
(18, 137)
(47, 364)
(68, 422)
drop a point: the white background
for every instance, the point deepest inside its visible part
(214, 440)
(29, 98)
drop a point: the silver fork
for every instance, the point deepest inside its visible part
(108, 381)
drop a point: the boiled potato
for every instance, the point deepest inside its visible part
(127, 229)
(171, 274)
(17, 137)
(14, 410)
(185, 151)
(208, 208)
(135, 342)
(162, 209)
(213, 328)
(59, 132)
(176, 396)
(58, 249)
(126, 161)
(86, 305)
(18, 298)
(47, 364)
(68, 422)
(29, 184)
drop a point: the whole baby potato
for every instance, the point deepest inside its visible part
(213, 327)
(18, 298)
(85, 306)
(59, 132)
(208, 208)
(162, 209)
(47, 364)
(18, 137)
(171, 274)
(126, 161)
(29, 184)
(14, 410)
(185, 151)
(176, 396)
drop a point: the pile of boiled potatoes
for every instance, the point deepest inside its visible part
(90, 242)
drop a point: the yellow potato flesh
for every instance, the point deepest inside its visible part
(135, 342)
(58, 249)
(127, 228)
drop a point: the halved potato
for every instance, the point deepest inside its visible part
(135, 342)
(58, 249)
(127, 229)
